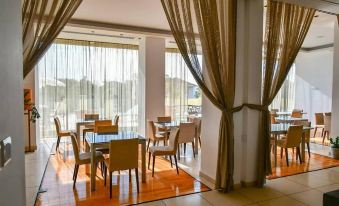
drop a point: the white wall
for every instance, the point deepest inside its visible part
(12, 177)
(335, 93)
(314, 74)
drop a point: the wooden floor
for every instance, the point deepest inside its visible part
(165, 184)
(315, 162)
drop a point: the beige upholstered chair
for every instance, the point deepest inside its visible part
(107, 129)
(153, 135)
(297, 113)
(197, 122)
(162, 120)
(292, 140)
(123, 155)
(319, 123)
(307, 134)
(187, 135)
(60, 133)
(169, 150)
(89, 128)
(327, 126)
(83, 158)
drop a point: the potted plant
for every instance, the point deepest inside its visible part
(335, 147)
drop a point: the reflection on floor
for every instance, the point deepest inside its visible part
(165, 184)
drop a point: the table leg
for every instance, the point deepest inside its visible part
(196, 145)
(143, 161)
(303, 148)
(93, 168)
(275, 150)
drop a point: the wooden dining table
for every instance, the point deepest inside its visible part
(102, 141)
(278, 129)
(177, 124)
(287, 113)
(286, 119)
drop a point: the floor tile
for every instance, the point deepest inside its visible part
(155, 203)
(328, 188)
(260, 194)
(286, 186)
(195, 200)
(217, 198)
(310, 180)
(282, 201)
(311, 197)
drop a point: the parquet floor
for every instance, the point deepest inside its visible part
(58, 182)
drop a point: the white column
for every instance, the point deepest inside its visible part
(335, 93)
(12, 177)
(151, 80)
(248, 90)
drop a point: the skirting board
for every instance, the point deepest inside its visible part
(33, 148)
(236, 186)
(206, 177)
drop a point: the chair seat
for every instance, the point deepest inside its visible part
(281, 142)
(85, 158)
(161, 150)
(89, 126)
(320, 126)
(160, 137)
(66, 132)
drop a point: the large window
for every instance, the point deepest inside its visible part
(78, 77)
(182, 95)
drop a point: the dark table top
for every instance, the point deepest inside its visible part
(106, 138)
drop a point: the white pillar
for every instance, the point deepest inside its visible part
(12, 176)
(151, 80)
(335, 93)
(248, 90)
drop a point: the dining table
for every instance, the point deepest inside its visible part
(282, 128)
(286, 113)
(81, 123)
(172, 124)
(287, 119)
(102, 141)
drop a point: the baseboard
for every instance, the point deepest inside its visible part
(207, 178)
(248, 184)
(33, 148)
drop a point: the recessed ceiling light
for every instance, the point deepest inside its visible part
(320, 36)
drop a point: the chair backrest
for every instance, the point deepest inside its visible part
(151, 130)
(91, 117)
(328, 113)
(307, 133)
(274, 111)
(273, 121)
(116, 120)
(107, 129)
(294, 134)
(173, 139)
(319, 119)
(123, 154)
(57, 125)
(187, 132)
(98, 123)
(297, 113)
(165, 119)
(197, 122)
(75, 147)
(327, 123)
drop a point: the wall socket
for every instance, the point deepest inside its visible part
(5, 152)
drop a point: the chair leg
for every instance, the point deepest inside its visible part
(171, 161)
(129, 175)
(184, 148)
(149, 159)
(308, 149)
(57, 144)
(176, 163)
(298, 152)
(286, 153)
(315, 132)
(149, 141)
(76, 175)
(105, 175)
(200, 141)
(179, 151)
(137, 178)
(193, 149)
(322, 132)
(110, 185)
(281, 152)
(323, 138)
(153, 165)
(164, 142)
(75, 166)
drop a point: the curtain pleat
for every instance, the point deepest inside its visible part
(286, 29)
(42, 21)
(216, 20)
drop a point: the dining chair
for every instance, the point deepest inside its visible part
(98, 123)
(292, 140)
(307, 134)
(186, 135)
(107, 129)
(319, 123)
(197, 122)
(153, 135)
(170, 150)
(60, 133)
(297, 113)
(123, 155)
(90, 127)
(116, 120)
(327, 126)
(273, 116)
(164, 119)
(84, 158)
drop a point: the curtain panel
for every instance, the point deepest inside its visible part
(286, 29)
(182, 94)
(42, 21)
(216, 25)
(79, 77)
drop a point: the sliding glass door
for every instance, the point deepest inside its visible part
(78, 77)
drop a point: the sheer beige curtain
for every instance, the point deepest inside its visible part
(42, 21)
(216, 24)
(286, 28)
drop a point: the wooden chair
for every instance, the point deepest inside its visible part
(297, 113)
(99, 123)
(292, 140)
(319, 123)
(273, 121)
(84, 158)
(153, 135)
(123, 155)
(327, 126)
(107, 129)
(169, 150)
(307, 134)
(164, 119)
(197, 122)
(60, 133)
(89, 128)
(186, 135)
